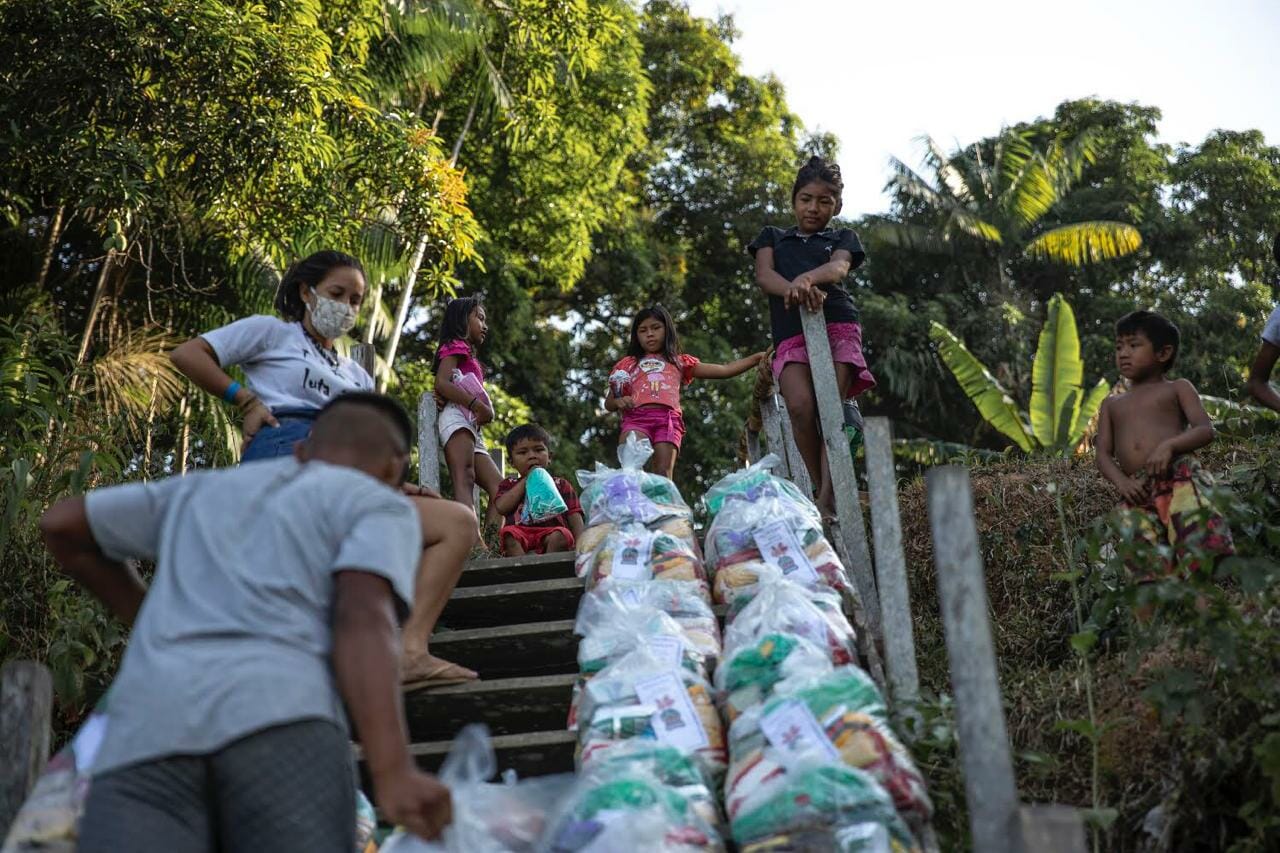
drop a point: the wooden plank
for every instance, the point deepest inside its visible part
(795, 462)
(771, 417)
(530, 567)
(367, 357)
(753, 448)
(26, 703)
(891, 569)
(428, 442)
(1051, 829)
(534, 648)
(840, 462)
(985, 758)
(529, 754)
(507, 706)
(505, 603)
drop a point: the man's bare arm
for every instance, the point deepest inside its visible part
(67, 535)
(1259, 384)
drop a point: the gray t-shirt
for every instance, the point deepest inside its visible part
(1271, 331)
(234, 633)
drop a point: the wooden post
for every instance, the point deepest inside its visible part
(365, 356)
(799, 471)
(26, 703)
(772, 420)
(840, 461)
(990, 791)
(1051, 829)
(428, 442)
(891, 568)
(753, 448)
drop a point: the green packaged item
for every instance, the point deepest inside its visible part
(542, 500)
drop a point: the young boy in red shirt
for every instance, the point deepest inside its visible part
(529, 447)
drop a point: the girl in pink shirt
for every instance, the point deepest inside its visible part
(465, 404)
(645, 386)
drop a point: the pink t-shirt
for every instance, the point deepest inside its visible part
(466, 358)
(652, 380)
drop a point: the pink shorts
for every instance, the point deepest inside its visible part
(846, 348)
(659, 423)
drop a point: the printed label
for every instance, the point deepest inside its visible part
(631, 556)
(792, 730)
(675, 721)
(667, 648)
(780, 548)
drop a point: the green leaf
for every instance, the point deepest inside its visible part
(992, 401)
(1057, 376)
(1084, 243)
(1084, 641)
(1102, 818)
(1089, 409)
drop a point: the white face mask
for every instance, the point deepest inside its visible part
(331, 318)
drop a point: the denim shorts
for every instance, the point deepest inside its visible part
(273, 442)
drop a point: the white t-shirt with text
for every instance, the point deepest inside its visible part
(284, 366)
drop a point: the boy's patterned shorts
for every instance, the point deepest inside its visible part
(1177, 514)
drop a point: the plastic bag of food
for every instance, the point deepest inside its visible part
(542, 499)
(779, 606)
(504, 817)
(622, 806)
(634, 552)
(642, 696)
(836, 717)
(671, 767)
(629, 493)
(683, 601)
(754, 483)
(748, 676)
(593, 537)
(820, 806)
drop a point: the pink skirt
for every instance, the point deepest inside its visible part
(846, 348)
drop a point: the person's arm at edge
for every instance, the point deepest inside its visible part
(1259, 384)
(366, 665)
(577, 524)
(197, 361)
(706, 370)
(1129, 488)
(767, 278)
(67, 535)
(507, 502)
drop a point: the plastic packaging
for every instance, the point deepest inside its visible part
(470, 384)
(629, 493)
(683, 601)
(642, 696)
(778, 606)
(619, 806)
(748, 676)
(672, 768)
(835, 717)
(753, 483)
(634, 552)
(505, 817)
(542, 499)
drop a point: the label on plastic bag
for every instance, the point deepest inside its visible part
(792, 729)
(675, 722)
(667, 648)
(631, 556)
(780, 548)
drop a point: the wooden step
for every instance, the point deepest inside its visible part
(505, 603)
(511, 651)
(529, 754)
(533, 567)
(506, 705)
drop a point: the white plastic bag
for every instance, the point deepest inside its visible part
(629, 493)
(683, 601)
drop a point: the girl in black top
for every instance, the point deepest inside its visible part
(806, 266)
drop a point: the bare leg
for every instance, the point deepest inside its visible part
(449, 532)
(459, 455)
(555, 543)
(487, 476)
(796, 385)
(512, 548)
(664, 459)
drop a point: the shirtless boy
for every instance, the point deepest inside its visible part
(1145, 437)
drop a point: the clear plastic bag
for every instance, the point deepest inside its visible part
(642, 696)
(748, 676)
(505, 817)
(674, 769)
(619, 806)
(632, 551)
(833, 717)
(629, 493)
(683, 601)
(778, 606)
(542, 500)
(754, 483)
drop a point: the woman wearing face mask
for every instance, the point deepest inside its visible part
(291, 365)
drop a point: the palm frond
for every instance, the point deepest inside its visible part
(1084, 243)
(948, 175)
(914, 238)
(134, 371)
(958, 217)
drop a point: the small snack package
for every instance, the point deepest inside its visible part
(832, 716)
(683, 601)
(469, 383)
(620, 805)
(634, 552)
(542, 500)
(503, 817)
(646, 697)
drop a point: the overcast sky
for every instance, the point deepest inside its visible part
(880, 74)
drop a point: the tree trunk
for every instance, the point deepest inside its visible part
(95, 305)
(377, 308)
(184, 444)
(51, 245)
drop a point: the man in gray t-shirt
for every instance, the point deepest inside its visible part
(275, 599)
(1259, 384)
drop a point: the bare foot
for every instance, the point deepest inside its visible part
(427, 670)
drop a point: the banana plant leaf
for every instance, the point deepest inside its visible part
(1057, 377)
(1089, 410)
(986, 393)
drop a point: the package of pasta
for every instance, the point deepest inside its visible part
(611, 633)
(629, 493)
(778, 606)
(749, 674)
(674, 769)
(634, 552)
(754, 483)
(642, 696)
(838, 717)
(821, 806)
(622, 806)
(683, 601)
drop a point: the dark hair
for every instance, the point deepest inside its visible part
(525, 432)
(670, 345)
(818, 169)
(311, 270)
(385, 406)
(456, 320)
(1160, 331)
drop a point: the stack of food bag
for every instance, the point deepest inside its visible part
(813, 763)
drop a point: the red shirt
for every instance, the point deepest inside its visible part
(652, 380)
(562, 520)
